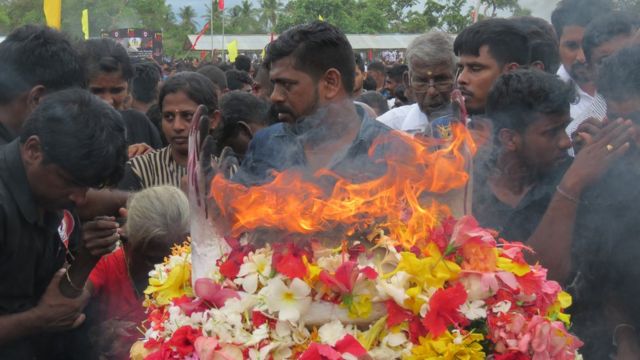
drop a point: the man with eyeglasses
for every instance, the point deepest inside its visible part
(431, 77)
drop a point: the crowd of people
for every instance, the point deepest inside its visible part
(94, 151)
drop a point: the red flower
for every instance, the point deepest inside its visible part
(396, 315)
(189, 305)
(287, 260)
(441, 235)
(346, 345)
(230, 267)
(258, 318)
(183, 339)
(513, 355)
(443, 309)
(344, 278)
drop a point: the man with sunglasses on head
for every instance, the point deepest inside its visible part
(432, 66)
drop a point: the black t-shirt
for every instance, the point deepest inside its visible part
(606, 257)
(519, 223)
(32, 248)
(6, 135)
(140, 129)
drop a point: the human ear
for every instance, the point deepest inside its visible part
(509, 139)
(331, 83)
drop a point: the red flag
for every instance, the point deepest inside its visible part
(370, 55)
(204, 29)
(220, 5)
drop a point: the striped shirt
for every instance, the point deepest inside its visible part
(153, 169)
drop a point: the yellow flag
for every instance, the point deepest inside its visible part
(232, 49)
(85, 23)
(53, 12)
(264, 53)
(320, 18)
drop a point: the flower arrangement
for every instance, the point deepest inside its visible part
(462, 294)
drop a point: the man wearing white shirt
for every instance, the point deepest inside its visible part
(432, 66)
(570, 18)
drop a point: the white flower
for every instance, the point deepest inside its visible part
(256, 268)
(395, 339)
(474, 310)
(258, 335)
(288, 301)
(395, 287)
(332, 332)
(330, 263)
(502, 307)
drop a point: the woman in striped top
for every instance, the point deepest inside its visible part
(179, 98)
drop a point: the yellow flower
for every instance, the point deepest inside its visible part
(431, 271)
(371, 336)
(313, 271)
(360, 307)
(177, 284)
(449, 346)
(507, 264)
(562, 302)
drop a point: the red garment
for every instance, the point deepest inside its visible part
(116, 298)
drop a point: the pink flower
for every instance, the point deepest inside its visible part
(467, 229)
(214, 293)
(550, 340)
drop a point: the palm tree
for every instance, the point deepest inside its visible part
(270, 9)
(187, 17)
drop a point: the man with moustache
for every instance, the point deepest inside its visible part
(320, 125)
(432, 66)
(570, 18)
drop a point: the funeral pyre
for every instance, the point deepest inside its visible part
(379, 269)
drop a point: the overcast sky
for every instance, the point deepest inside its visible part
(540, 8)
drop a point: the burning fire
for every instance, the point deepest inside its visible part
(401, 201)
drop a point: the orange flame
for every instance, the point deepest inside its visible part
(401, 201)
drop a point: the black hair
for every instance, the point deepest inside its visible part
(375, 100)
(578, 13)
(605, 28)
(196, 86)
(144, 86)
(505, 41)
(619, 75)
(11, 84)
(155, 116)
(243, 63)
(369, 84)
(377, 66)
(397, 71)
(316, 48)
(214, 74)
(518, 97)
(43, 56)
(543, 42)
(105, 56)
(359, 62)
(82, 134)
(236, 106)
(236, 79)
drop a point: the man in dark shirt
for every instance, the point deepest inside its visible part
(527, 189)
(72, 141)
(606, 246)
(35, 61)
(320, 125)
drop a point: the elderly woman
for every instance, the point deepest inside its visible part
(158, 218)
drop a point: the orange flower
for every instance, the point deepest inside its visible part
(478, 257)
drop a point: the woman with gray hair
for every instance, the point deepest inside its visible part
(158, 218)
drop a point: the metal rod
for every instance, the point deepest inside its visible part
(211, 30)
(222, 46)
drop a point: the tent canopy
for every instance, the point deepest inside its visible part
(259, 41)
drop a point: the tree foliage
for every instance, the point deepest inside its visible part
(259, 16)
